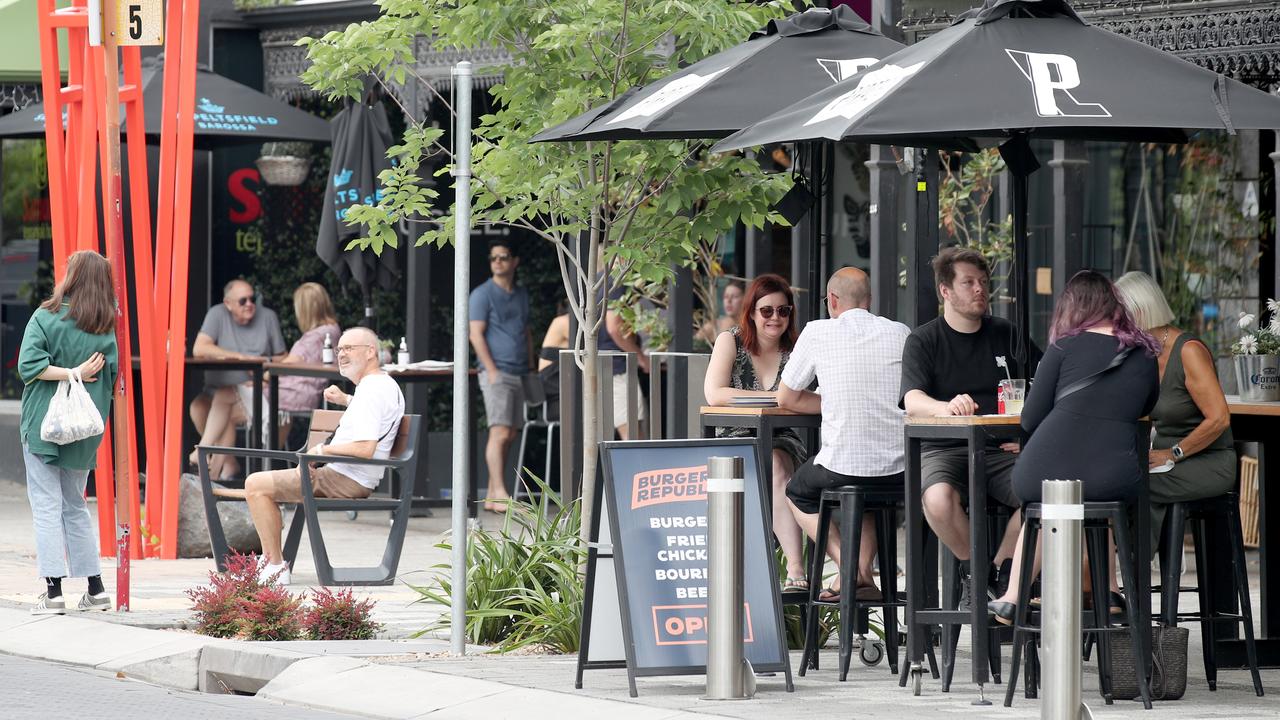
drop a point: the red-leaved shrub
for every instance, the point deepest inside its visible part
(217, 607)
(270, 613)
(339, 616)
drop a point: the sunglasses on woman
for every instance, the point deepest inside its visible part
(766, 311)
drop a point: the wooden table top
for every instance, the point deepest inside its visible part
(214, 362)
(1239, 407)
(965, 420)
(751, 411)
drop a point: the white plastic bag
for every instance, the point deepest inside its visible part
(72, 416)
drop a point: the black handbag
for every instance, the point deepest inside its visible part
(1168, 664)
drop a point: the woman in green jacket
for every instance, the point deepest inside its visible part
(72, 331)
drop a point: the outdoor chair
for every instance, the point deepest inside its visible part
(537, 415)
(403, 460)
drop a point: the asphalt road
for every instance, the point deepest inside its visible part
(35, 690)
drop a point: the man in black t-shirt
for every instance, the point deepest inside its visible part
(950, 367)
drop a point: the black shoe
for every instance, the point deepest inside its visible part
(1002, 611)
(966, 594)
(1001, 577)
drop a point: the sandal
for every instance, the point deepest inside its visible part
(829, 595)
(795, 584)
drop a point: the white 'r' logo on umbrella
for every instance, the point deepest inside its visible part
(1053, 77)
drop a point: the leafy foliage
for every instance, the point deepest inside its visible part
(523, 587)
(964, 209)
(288, 149)
(643, 207)
(218, 606)
(339, 616)
(270, 613)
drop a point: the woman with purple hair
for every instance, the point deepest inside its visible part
(1098, 377)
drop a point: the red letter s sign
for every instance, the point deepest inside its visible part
(249, 202)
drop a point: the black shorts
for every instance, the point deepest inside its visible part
(807, 484)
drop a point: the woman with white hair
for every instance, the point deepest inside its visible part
(1191, 419)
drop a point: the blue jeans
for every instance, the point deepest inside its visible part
(66, 539)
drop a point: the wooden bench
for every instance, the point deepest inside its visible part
(403, 459)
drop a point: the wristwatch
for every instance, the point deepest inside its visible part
(1177, 453)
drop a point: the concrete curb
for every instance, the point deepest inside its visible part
(291, 675)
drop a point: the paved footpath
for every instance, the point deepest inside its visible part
(395, 677)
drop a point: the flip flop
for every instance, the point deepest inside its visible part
(795, 584)
(829, 595)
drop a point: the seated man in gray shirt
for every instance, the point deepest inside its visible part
(235, 328)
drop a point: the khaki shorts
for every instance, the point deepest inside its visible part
(503, 399)
(951, 466)
(620, 401)
(287, 485)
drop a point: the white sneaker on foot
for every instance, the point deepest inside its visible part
(49, 606)
(274, 574)
(101, 601)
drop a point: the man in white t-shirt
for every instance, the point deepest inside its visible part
(856, 358)
(367, 430)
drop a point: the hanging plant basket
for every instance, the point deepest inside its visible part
(283, 169)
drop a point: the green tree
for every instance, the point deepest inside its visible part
(628, 211)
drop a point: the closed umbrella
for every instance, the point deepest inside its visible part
(360, 135)
(781, 63)
(226, 113)
(1012, 71)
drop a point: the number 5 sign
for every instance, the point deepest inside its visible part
(139, 22)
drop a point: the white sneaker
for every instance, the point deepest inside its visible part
(274, 574)
(47, 606)
(101, 601)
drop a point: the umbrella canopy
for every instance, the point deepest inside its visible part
(360, 136)
(1020, 67)
(226, 113)
(1011, 71)
(783, 62)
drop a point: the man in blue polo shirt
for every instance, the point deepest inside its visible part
(500, 336)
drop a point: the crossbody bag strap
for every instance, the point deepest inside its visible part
(1088, 380)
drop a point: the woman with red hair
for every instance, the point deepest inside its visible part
(747, 361)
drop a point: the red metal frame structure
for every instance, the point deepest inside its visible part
(157, 290)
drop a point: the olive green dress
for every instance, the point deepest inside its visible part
(1208, 473)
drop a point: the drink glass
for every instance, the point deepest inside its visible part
(1015, 391)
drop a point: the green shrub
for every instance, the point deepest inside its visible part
(523, 582)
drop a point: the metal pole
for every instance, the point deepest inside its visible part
(727, 679)
(461, 391)
(1063, 516)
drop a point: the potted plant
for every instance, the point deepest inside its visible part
(284, 163)
(1257, 357)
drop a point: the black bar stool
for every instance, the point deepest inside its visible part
(1201, 513)
(849, 504)
(1098, 518)
(997, 517)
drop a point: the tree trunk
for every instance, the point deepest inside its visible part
(593, 306)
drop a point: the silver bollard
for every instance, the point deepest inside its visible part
(728, 675)
(1062, 516)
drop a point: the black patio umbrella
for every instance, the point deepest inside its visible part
(1012, 71)
(360, 136)
(783, 62)
(226, 113)
(779, 64)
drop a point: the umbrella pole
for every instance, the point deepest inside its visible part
(461, 392)
(1021, 296)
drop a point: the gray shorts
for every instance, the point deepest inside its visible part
(503, 399)
(951, 466)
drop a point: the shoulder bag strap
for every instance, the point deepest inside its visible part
(1086, 381)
